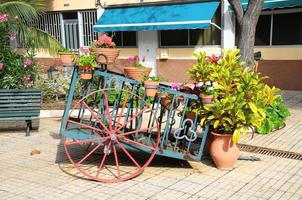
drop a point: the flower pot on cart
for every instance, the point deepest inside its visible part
(137, 73)
(206, 99)
(166, 102)
(223, 150)
(66, 58)
(151, 88)
(110, 53)
(85, 72)
(190, 115)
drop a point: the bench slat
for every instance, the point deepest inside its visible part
(22, 114)
(18, 118)
(19, 111)
(20, 101)
(18, 108)
(20, 105)
(19, 97)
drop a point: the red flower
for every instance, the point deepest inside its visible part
(214, 59)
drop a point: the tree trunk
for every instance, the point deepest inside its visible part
(246, 40)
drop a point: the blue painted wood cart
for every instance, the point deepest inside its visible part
(115, 130)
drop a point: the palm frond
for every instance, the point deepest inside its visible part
(41, 40)
(23, 10)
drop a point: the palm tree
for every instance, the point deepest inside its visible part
(28, 11)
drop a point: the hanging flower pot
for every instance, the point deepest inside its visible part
(137, 73)
(85, 72)
(104, 45)
(67, 56)
(110, 53)
(224, 151)
(151, 87)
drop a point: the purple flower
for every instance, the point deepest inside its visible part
(1, 66)
(27, 62)
(26, 78)
(12, 37)
(175, 86)
(85, 51)
(3, 17)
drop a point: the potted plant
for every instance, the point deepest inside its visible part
(136, 70)
(105, 45)
(66, 56)
(207, 92)
(151, 85)
(242, 99)
(166, 99)
(86, 62)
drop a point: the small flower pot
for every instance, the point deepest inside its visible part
(167, 103)
(110, 53)
(66, 58)
(190, 115)
(206, 99)
(136, 73)
(85, 72)
(151, 88)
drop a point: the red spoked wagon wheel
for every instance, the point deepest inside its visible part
(111, 142)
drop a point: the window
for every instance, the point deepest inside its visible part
(263, 30)
(124, 39)
(193, 37)
(287, 29)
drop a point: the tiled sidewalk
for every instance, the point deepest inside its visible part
(48, 176)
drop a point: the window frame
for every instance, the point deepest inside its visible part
(122, 42)
(272, 13)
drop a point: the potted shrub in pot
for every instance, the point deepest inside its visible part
(207, 92)
(67, 56)
(151, 85)
(86, 62)
(242, 97)
(105, 45)
(136, 70)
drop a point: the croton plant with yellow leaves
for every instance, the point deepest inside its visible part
(241, 95)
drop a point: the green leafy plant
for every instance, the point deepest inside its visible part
(242, 97)
(86, 60)
(134, 61)
(276, 113)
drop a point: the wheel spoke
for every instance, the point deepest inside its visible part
(86, 126)
(91, 152)
(103, 160)
(132, 118)
(128, 154)
(94, 115)
(136, 131)
(122, 111)
(88, 140)
(116, 161)
(139, 144)
(107, 111)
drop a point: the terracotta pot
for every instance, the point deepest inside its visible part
(66, 58)
(151, 88)
(167, 103)
(190, 115)
(86, 76)
(85, 72)
(136, 73)
(223, 151)
(206, 99)
(111, 54)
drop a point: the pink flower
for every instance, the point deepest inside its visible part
(27, 62)
(85, 51)
(12, 37)
(16, 17)
(175, 86)
(1, 66)
(3, 17)
(105, 41)
(26, 78)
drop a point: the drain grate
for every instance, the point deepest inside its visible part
(270, 152)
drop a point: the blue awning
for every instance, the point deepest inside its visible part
(272, 4)
(159, 17)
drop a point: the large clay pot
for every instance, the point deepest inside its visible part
(66, 58)
(136, 73)
(111, 54)
(206, 99)
(223, 151)
(151, 88)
